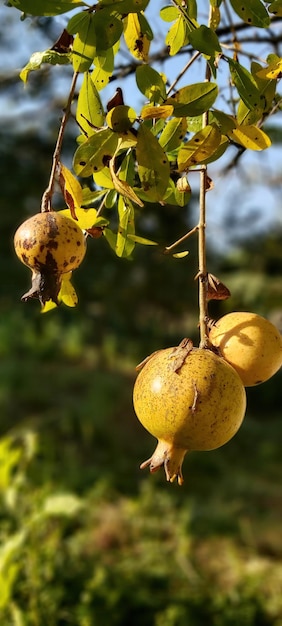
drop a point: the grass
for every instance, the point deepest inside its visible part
(90, 539)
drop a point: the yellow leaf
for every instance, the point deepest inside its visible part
(122, 187)
(250, 137)
(273, 71)
(181, 255)
(67, 293)
(71, 189)
(200, 147)
(136, 41)
(86, 218)
(121, 118)
(48, 306)
(156, 112)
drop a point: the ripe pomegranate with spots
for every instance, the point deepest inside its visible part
(50, 244)
(189, 400)
(250, 343)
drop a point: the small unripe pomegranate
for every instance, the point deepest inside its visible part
(190, 400)
(250, 343)
(50, 244)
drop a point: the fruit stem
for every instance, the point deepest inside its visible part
(48, 193)
(203, 276)
(203, 286)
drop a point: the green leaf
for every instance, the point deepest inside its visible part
(252, 12)
(193, 100)
(145, 27)
(89, 106)
(173, 134)
(122, 186)
(111, 238)
(103, 67)
(46, 7)
(142, 240)
(121, 118)
(177, 36)
(47, 56)
(150, 83)
(224, 143)
(124, 246)
(245, 85)
(95, 153)
(84, 45)
(125, 6)
(108, 29)
(205, 40)
(276, 8)
(224, 122)
(176, 197)
(169, 14)
(199, 148)
(247, 116)
(153, 165)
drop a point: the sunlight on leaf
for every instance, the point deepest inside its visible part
(200, 147)
(150, 112)
(38, 58)
(194, 99)
(136, 40)
(95, 153)
(89, 111)
(250, 137)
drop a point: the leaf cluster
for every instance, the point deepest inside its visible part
(126, 159)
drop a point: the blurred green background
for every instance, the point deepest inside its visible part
(86, 538)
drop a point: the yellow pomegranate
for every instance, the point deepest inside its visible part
(50, 244)
(189, 400)
(250, 343)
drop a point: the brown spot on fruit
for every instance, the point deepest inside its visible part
(50, 244)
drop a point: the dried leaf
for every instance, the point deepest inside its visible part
(180, 353)
(122, 187)
(216, 290)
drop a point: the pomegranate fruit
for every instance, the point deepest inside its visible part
(190, 400)
(50, 244)
(250, 343)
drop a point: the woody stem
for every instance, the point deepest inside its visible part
(48, 193)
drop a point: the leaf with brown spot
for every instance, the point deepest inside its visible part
(71, 189)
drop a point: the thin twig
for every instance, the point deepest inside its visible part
(184, 70)
(47, 196)
(168, 249)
